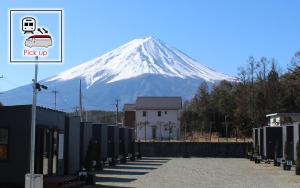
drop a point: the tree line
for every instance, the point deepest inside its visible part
(99, 116)
(233, 109)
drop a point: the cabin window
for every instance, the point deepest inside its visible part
(159, 113)
(166, 112)
(3, 144)
(144, 113)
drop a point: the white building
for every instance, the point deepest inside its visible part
(290, 123)
(157, 118)
(279, 119)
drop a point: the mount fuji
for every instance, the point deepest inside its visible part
(141, 67)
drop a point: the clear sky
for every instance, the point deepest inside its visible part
(220, 34)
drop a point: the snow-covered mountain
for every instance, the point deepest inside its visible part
(141, 67)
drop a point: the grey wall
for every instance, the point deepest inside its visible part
(196, 149)
(73, 144)
(100, 133)
(86, 136)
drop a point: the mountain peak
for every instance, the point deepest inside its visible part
(141, 67)
(138, 57)
(149, 38)
(142, 41)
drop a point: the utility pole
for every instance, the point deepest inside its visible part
(55, 92)
(135, 130)
(86, 115)
(145, 124)
(185, 128)
(75, 110)
(33, 121)
(80, 101)
(117, 110)
(169, 131)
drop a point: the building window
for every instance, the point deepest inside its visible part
(144, 113)
(166, 112)
(158, 113)
(3, 144)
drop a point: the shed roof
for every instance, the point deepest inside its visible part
(283, 114)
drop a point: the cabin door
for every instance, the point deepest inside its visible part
(46, 151)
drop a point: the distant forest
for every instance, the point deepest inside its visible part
(98, 116)
(262, 89)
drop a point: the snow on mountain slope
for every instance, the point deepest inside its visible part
(138, 57)
(142, 67)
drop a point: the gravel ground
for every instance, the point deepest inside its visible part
(197, 172)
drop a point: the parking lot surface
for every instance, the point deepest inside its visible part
(198, 173)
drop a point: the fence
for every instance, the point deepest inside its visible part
(194, 149)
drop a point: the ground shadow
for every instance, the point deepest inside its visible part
(152, 161)
(113, 179)
(133, 167)
(156, 159)
(145, 164)
(109, 186)
(116, 172)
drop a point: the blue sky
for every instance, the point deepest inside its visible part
(220, 34)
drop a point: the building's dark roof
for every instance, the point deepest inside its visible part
(29, 106)
(158, 103)
(129, 107)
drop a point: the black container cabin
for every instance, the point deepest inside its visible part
(72, 144)
(123, 140)
(296, 137)
(100, 132)
(288, 142)
(273, 142)
(255, 139)
(261, 141)
(131, 143)
(113, 144)
(86, 134)
(15, 126)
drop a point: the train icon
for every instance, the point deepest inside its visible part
(28, 25)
